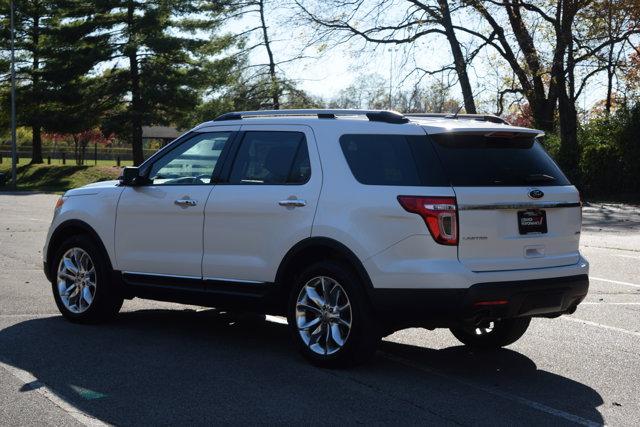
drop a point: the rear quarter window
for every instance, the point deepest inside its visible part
(399, 160)
(476, 160)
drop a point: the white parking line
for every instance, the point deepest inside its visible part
(627, 256)
(495, 392)
(600, 325)
(610, 303)
(617, 282)
(40, 388)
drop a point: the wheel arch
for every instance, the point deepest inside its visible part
(69, 228)
(315, 249)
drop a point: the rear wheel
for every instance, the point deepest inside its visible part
(494, 334)
(82, 285)
(330, 318)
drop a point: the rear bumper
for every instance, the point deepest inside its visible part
(493, 300)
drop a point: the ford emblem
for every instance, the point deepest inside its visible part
(535, 193)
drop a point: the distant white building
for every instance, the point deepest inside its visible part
(163, 133)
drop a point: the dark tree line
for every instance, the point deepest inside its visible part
(117, 64)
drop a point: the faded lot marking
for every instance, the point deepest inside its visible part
(37, 386)
(498, 393)
(529, 403)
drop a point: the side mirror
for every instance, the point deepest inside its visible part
(131, 176)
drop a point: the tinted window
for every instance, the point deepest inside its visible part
(191, 162)
(478, 160)
(271, 158)
(392, 160)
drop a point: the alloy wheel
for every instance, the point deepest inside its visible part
(76, 280)
(323, 315)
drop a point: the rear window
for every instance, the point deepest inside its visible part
(399, 160)
(485, 161)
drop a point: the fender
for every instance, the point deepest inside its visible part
(60, 233)
(328, 243)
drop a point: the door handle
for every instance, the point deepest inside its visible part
(186, 202)
(292, 203)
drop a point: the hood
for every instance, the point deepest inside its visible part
(92, 188)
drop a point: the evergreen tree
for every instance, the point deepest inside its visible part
(57, 46)
(160, 60)
(34, 21)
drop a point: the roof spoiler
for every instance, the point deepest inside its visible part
(479, 117)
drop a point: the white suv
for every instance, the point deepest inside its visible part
(352, 223)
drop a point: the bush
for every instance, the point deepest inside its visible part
(610, 155)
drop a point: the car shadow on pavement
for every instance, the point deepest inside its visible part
(202, 367)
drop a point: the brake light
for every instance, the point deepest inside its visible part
(439, 213)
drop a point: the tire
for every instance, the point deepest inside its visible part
(503, 333)
(359, 339)
(101, 301)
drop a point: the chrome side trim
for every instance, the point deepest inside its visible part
(220, 279)
(216, 279)
(162, 275)
(518, 205)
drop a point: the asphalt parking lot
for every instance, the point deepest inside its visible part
(172, 364)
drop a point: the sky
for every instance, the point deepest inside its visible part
(335, 68)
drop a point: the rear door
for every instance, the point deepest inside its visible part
(516, 208)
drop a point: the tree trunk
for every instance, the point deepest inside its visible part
(36, 128)
(275, 87)
(569, 155)
(36, 142)
(610, 66)
(569, 150)
(136, 104)
(459, 60)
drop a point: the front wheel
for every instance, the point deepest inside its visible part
(494, 334)
(330, 318)
(82, 285)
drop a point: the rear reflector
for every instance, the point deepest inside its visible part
(439, 213)
(496, 302)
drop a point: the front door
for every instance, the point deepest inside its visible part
(263, 206)
(159, 225)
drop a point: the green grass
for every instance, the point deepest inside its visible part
(58, 178)
(6, 162)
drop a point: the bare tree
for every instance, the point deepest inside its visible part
(261, 36)
(545, 51)
(376, 22)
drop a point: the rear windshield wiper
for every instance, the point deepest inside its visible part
(539, 177)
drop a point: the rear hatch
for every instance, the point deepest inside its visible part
(516, 209)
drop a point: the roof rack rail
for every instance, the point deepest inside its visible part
(480, 117)
(373, 115)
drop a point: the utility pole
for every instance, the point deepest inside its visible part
(391, 50)
(14, 147)
(390, 77)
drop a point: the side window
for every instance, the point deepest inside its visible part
(271, 158)
(192, 162)
(400, 160)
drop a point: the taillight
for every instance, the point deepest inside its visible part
(439, 213)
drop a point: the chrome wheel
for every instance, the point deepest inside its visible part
(323, 315)
(76, 280)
